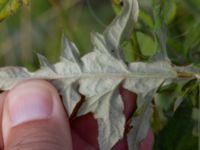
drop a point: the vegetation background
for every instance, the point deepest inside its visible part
(38, 28)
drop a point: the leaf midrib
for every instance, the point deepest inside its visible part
(98, 75)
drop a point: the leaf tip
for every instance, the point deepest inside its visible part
(43, 60)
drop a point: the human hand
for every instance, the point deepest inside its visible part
(32, 117)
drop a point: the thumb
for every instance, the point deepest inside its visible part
(34, 118)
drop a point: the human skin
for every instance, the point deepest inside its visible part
(32, 117)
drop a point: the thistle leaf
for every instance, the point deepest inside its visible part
(97, 76)
(11, 75)
(121, 27)
(140, 124)
(107, 107)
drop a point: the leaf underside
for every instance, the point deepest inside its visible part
(98, 76)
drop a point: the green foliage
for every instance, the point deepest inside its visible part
(177, 133)
(8, 7)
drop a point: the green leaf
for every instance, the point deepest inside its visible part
(169, 11)
(177, 133)
(117, 5)
(147, 44)
(158, 120)
(146, 19)
(195, 114)
(178, 103)
(160, 36)
(8, 7)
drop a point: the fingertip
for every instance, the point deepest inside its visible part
(2, 99)
(81, 125)
(28, 105)
(130, 102)
(147, 143)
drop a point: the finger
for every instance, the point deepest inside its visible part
(2, 98)
(129, 99)
(85, 132)
(81, 125)
(34, 118)
(147, 143)
(122, 144)
(130, 105)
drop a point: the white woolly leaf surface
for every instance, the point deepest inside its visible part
(98, 76)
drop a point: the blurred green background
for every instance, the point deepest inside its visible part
(38, 28)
